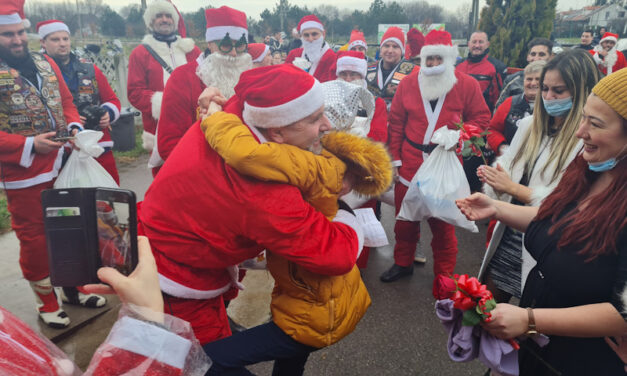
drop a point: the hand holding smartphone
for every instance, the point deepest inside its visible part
(87, 228)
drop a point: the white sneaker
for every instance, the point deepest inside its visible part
(72, 295)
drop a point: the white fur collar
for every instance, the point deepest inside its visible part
(184, 45)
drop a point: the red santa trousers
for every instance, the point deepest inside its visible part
(206, 316)
(107, 161)
(407, 234)
(28, 223)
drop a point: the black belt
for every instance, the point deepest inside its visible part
(424, 148)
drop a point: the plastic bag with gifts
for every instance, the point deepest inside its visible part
(81, 169)
(439, 181)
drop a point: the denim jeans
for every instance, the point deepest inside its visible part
(262, 343)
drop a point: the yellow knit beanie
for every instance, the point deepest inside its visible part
(613, 90)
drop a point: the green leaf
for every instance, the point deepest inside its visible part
(485, 133)
(490, 305)
(466, 152)
(471, 318)
(480, 142)
(467, 143)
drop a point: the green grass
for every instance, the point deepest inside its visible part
(133, 154)
(5, 217)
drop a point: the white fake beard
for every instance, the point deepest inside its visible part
(361, 82)
(610, 58)
(313, 50)
(223, 71)
(434, 86)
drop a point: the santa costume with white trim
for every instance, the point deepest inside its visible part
(37, 101)
(203, 218)
(317, 55)
(180, 97)
(88, 86)
(614, 60)
(426, 100)
(146, 76)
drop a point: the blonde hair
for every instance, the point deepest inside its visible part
(580, 74)
(534, 67)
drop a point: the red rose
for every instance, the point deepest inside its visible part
(443, 287)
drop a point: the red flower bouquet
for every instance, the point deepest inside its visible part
(471, 140)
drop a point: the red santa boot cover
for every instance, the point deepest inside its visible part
(48, 305)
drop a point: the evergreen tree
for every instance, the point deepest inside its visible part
(511, 24)
(112, 23)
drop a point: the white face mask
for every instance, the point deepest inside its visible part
(313, 49)
(433, 71)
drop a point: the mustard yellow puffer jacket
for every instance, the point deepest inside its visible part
(314, 309)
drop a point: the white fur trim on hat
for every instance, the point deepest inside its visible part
(610, 37)
(219, 32)
(446, 52)
(50, 28)
(160, 6)
(358, 43)
(260, 58)
(353, 64)
(311, 25)
(286, 113)
(395, 40)
(10, 19)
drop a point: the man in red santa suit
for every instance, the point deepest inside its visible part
(315, 56)
(435, 96)
(227, 41)
(86, 83)
(203, 218)
(384, 76)
(36, 103)
(151, 63)
(607, 57)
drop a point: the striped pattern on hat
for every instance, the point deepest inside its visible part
(612, 89)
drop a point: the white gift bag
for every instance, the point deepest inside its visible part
(439, 181)
(81, 169)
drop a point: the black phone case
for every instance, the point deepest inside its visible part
(72, 241)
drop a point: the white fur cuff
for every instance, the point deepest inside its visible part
(155, 100)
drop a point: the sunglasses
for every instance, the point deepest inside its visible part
(227, 44)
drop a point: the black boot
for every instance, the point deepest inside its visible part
(397, 272)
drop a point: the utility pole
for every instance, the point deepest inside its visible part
(474, 17)
(80, 21)
(143, 6)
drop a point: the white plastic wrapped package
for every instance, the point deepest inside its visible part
(81, 169)
(138, 347)
(26, 353)
(439, 181)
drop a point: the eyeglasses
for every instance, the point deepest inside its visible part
(227, 44)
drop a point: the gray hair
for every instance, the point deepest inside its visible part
(535, 67)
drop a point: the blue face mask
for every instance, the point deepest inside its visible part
(558, 107)
(606, 165)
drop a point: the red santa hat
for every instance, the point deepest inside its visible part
(12, 12)
(258, 51)
(609, 36)
(269, 103)
(45, 28)
(353, 61)
(396, 35)
(310, 22)
(439, 43)
(415, 41)
(225, 20)
(160, 6)
(357, 39)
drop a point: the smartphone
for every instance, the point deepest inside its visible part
(87, 228)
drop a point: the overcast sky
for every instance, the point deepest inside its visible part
(253, 8)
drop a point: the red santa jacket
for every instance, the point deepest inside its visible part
(109, 100)
(146, 77)
(202, 217)
(325, 71)
(407, 119)
(21, 166)
(620, 63)
(488, 76)
(379, 124)
(180, 101)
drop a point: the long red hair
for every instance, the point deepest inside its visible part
(599, 225)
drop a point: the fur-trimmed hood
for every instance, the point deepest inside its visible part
(367, 159)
